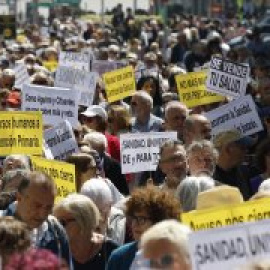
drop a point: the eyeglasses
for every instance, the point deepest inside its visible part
(164, 262)
(140, 220)
(65, 222)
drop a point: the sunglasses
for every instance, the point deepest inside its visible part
(65, 222)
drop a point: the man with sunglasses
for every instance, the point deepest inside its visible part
(35, 200)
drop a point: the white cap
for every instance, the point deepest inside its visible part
(95, 110)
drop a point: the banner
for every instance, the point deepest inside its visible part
(61, 172)
(103, 66)
(192, 89)
(239, 114)
(224, 216)
(231, 247)
(20, 133)
(227, 78)
(140, 151)
(56, 104)
(60, 141)
(21, 76)
(79, 60)
(80, 80)
(119, 83)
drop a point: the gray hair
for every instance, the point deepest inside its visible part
(96, 140)
(175, 104)
(265, 185)
(24, 159)
(171, 144)
(188, 190)
(172, 231)
(83, 209)
(201, 145)
(145, 97)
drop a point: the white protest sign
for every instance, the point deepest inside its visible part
(239, 114)
(21, 75)
(227, 78)
(229, 247)
(140, 151)
(80, 80)
(57, 104)
(91, 54)
(60, 141)
(103, 66)
(79, 60)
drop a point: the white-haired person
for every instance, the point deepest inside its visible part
(143, 120)
(165, 246)
(111, 168)
(188, 190)
(16, 161)
(80, 217)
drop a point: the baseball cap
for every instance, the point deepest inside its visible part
(95, 110)
(232, 136)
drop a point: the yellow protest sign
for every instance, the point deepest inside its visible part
(50, 65)
(119, 83)
(20, 133)
(192, 89)
(61, 172)
(224, 216)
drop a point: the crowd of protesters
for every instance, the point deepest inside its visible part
(132, 221)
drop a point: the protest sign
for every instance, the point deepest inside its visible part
(80, 80)
(60, 141)
(56, 104)
(231, 247)
(239, 114)
(227, 78)
(119, 83)
(21, 75)
(192, 89)
(20, 133)
(142, 71)
(228, 215)
(79, 60)
(103, 66)
(140, 151)
(62, 173)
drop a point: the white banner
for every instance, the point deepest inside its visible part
(60, 142)
(79, 80)
(239, 114)
(79, 60)
(230, 247)
(57, 104)
(227, 78)
(140, 151)
(21, 75)
(103, 66)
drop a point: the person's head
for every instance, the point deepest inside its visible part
(14, 237)
(232, 148)
(7, 78)
(118, 119)
(99, 192)
(202, 158)
(35, 198)
(165, 246)
(150, 205)
(79, 216)
(96, 141)
(188, 190)
(264, 90)
(141, 104)
(196, 127)
(85, 167)
(95, 117)
(173, 160)
(16, 161)
(262, 156)
(175, 114)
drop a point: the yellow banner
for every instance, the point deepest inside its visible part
(223, 216)
(192, 89)
(61, 172)
(119, 83)
(20, 133)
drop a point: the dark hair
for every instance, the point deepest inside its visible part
(262, 150)
(158, 204)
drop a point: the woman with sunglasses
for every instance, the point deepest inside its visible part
(146, 207)
(80, 218)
